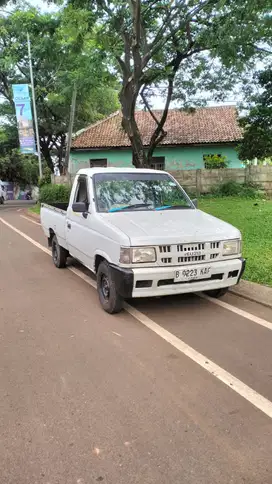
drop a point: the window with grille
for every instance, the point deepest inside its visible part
(158, 163)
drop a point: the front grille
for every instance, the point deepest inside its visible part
(188, 253)
(214, 245)
(214, 256)
(164, 248)
(190, 247)
(194, 258)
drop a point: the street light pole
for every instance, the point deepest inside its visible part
(70, 130)
(34, 108)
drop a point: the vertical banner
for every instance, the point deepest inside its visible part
(24, 118)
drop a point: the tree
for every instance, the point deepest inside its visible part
(257, 141)
(18, 168)
(154, 41)
(59, 62)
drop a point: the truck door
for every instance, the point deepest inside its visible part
(78, 227)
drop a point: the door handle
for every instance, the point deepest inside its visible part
(69, 226)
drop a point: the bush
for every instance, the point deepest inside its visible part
(46, 178)
(215, 161)
(55, 193)
(231, 189)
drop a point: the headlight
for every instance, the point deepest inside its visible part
(137, 255)
(231, 247)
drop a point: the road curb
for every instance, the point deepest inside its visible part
(254, 292)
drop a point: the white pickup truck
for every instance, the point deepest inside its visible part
(142, 236)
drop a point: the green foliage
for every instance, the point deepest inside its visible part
(61, 59)
(215, 161)
(232, 188)
(257, 142)
(54, 193)
(8, 137)
(254, 220)
(22, 169)
(46, 178)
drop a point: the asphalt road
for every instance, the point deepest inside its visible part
(86, 397)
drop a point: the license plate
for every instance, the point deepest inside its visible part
(191, 274)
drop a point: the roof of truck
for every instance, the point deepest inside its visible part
(94, 171)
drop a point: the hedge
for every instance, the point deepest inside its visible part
(55, 193)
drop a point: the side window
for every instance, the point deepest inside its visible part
(82, 190)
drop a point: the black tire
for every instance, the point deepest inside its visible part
(59, 254)
(2, 200)
(109, 298)
(216, 293)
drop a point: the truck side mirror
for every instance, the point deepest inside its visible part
(195, 202)
(80, 207)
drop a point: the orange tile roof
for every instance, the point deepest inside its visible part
(204, 125)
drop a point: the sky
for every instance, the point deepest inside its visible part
(42, 5)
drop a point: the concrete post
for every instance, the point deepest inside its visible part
(198, 183)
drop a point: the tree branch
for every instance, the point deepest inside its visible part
(158, 43)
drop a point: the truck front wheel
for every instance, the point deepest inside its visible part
(109, 298)
(217, 292)
(2, 200)
(59, 254)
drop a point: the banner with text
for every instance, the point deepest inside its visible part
(24, 118)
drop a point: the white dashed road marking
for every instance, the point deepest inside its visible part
(30, 220)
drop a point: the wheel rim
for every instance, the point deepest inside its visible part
(105, 287)
(55, 252)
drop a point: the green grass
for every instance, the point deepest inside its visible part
(254, 219)
(36, 209)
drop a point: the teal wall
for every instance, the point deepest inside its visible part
(180, 158)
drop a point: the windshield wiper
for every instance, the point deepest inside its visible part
(167, 207)
(128, 207)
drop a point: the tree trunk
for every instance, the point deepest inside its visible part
(128, 97)
(46, 154)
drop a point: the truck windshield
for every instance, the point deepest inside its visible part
(117, 192)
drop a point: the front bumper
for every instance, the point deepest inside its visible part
(159, 281)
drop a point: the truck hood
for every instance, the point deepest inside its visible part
(170, 226)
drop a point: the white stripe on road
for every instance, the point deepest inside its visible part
(40, 246)
(240, 312)
(224, 376)
(30, 220)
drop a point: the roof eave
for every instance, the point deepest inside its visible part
(165, 145)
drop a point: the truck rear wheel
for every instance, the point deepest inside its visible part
(109, 298)
(2, 200)
(216, 293)
(59, 254)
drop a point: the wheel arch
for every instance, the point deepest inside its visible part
(50, 238)
(99, 257)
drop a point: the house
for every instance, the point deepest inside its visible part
(191, 136)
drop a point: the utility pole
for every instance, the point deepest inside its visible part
(34, 108)
(70, 130)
